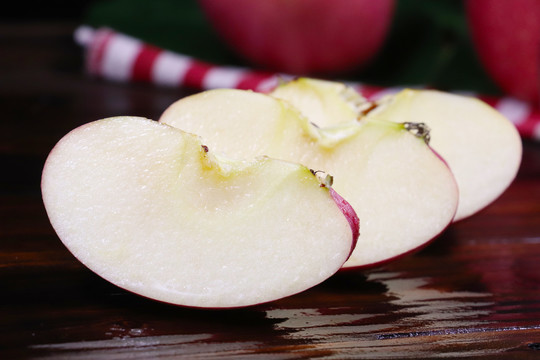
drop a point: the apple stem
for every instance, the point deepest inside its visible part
(420, 130)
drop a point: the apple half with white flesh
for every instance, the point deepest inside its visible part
(403, 193)
(151, 209)
(482, 148)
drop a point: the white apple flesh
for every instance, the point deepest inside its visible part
(481, 146)
(404, 194)
(325, 103)
(152, 210)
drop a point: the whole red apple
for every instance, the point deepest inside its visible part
(303, 36)
(506, 35)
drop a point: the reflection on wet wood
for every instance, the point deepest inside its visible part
(474, 292)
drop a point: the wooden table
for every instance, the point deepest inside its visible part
(475, 292)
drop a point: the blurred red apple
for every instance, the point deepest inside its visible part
(303, 36)
(506, 34)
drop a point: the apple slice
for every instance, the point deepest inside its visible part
(152, 210)
(481, 146)
(404, 194)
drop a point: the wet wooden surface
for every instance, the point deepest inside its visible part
(475, 292)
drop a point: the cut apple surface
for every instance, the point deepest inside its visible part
(481, 146)
(324, 103)
(151, 209)
(404, 194)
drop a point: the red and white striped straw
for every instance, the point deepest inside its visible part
(119, 57)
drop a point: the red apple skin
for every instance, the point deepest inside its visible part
(351, 216)
(303, 36)
(506, 35)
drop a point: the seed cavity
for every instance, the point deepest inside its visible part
(367, 108)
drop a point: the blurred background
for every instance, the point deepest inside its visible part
(417, 43)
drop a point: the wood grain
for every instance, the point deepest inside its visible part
(475, 292)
